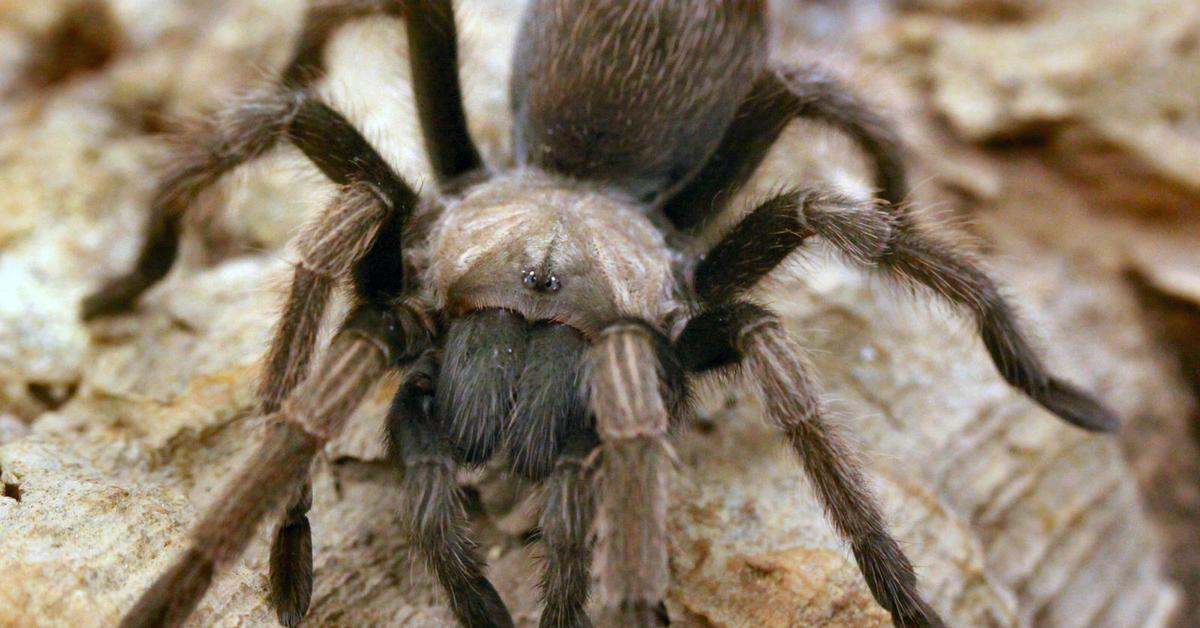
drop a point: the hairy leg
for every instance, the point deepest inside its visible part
(250, 127)
(330, 247)
(369, 343)
(434, 512)
(241, 132)
(566, 526)
(779, 96)
(634, 385)
(211, 148)
(743, 333)
(338, 241)
(885, 239)
(433, 54)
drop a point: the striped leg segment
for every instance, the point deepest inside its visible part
(360, 220)
(369, 343)
(634, 385)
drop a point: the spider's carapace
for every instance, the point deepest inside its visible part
(551, 250)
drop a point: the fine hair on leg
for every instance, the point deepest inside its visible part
(633, 386)
(245, 130)
(240, 131)
(751, 337)
(787, 387)
(371, 340)
(330, 247)
(566, 525)
(250, 126)
(887, 240)
(434, 513)
(919, 257)
(208, 149)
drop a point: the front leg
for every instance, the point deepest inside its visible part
(742, 334)
(372, 340)
(635, 385)
(361, 219)
(338, 241)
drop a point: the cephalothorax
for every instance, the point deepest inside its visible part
(553, 313)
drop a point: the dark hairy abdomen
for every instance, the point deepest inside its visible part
(632, 93)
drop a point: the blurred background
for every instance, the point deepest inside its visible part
(1060, 137)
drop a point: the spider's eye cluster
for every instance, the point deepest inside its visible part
(535, 281)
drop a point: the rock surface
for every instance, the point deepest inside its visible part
(120, 433)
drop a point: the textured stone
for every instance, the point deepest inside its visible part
(1011, 517)
(1125, 73)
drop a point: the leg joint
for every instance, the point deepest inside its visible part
(635, 381)
(345, 231)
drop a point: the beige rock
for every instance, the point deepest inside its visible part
(1126, 71)
(1011, 517)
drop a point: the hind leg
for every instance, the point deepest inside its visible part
(247, 129)
(779, 96)
(373, 339)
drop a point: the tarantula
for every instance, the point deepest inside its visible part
(552, 312)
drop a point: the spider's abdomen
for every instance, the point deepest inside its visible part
(550, 253)
(632, 93)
